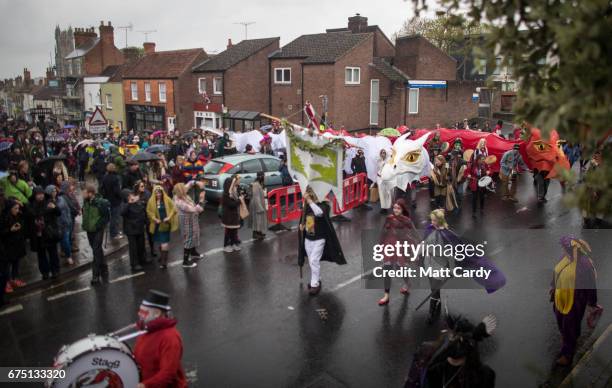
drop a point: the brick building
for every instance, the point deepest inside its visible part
(368, 82)
(235, 80)
(90, 57)
(157, 89)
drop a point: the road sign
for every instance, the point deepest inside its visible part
(97, 122)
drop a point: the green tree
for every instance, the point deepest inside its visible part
(561, 54)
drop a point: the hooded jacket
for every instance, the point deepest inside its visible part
(158, 354)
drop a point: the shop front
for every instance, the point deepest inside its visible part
(207, 115)
(141, 117)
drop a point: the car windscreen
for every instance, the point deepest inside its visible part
(213, 167)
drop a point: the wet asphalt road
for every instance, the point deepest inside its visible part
(246, 319)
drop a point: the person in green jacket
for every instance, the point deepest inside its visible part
(96, 214)
(16, 188)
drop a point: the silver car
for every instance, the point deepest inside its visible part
(217, 170)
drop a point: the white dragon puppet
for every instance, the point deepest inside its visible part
(409, 162)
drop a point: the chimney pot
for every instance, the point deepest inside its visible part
(149, 47)
(229, 43)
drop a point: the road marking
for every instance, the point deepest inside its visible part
(67, 293)
(496, 251)
(524, 208)
(350, 281)
(120, 278)
(586, 358)
(11, 309)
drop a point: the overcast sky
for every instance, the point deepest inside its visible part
(27, 26)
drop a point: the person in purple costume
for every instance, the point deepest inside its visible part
(573, 290)
(438, 233)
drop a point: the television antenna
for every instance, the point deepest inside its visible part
(246, 28)
(127, 28)
(146, 34)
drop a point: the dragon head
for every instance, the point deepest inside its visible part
(409, 161)
(546, 155)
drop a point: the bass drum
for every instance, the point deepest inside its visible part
(96, 361)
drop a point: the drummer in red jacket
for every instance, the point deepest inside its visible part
(477, 169)
(158, 352)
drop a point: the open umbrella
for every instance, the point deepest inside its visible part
(158, 133)
(144, 156)
(146, 130)
(158, 148)
(69, 126)
(5, 145)
(390, 132)
(55, 139)
(266, 128)
(189, 135)
(85, 143)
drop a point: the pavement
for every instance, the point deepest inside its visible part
(246, 319)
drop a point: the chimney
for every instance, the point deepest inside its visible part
(131, 54)
(84, 36)
(149, 47)
(49, 76)
(229, 43)
(106, 34)
(357, 23)
(26, 75)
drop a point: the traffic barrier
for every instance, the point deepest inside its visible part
(285, 203)
(354, 193)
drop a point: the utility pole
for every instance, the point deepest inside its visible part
(126, 29)
(146, 34)
(246, 28)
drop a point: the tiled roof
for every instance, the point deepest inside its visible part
(388, 70)
(82, 50)
(110, 71)
(234, 55)
(47, 93)
(163, 64)
(321, 48)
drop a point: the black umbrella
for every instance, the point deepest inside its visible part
(144, 156)
(148, 130)
(189, 135)
(5, 145)
(158, 148)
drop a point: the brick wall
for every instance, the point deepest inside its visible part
(318, 81)
(170, 95)
(352, 102)
(434, 107)
(394, 94)
(287, 99)
(186, 93)
(382, 46)
(420, 59)
(101, 56)
(246, 83)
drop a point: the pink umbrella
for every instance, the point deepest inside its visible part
(158, 133)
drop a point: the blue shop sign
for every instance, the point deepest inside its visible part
(422, 84)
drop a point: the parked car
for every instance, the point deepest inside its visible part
(217, 170)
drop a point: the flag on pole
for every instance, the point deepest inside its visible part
(312, 116)
(315, 161)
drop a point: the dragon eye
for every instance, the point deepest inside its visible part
(412, 157)
(541, 146)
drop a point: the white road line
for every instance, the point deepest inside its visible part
(496, 251)
(350, 281)
(125, 277)
(11, 309)
(67, 293)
